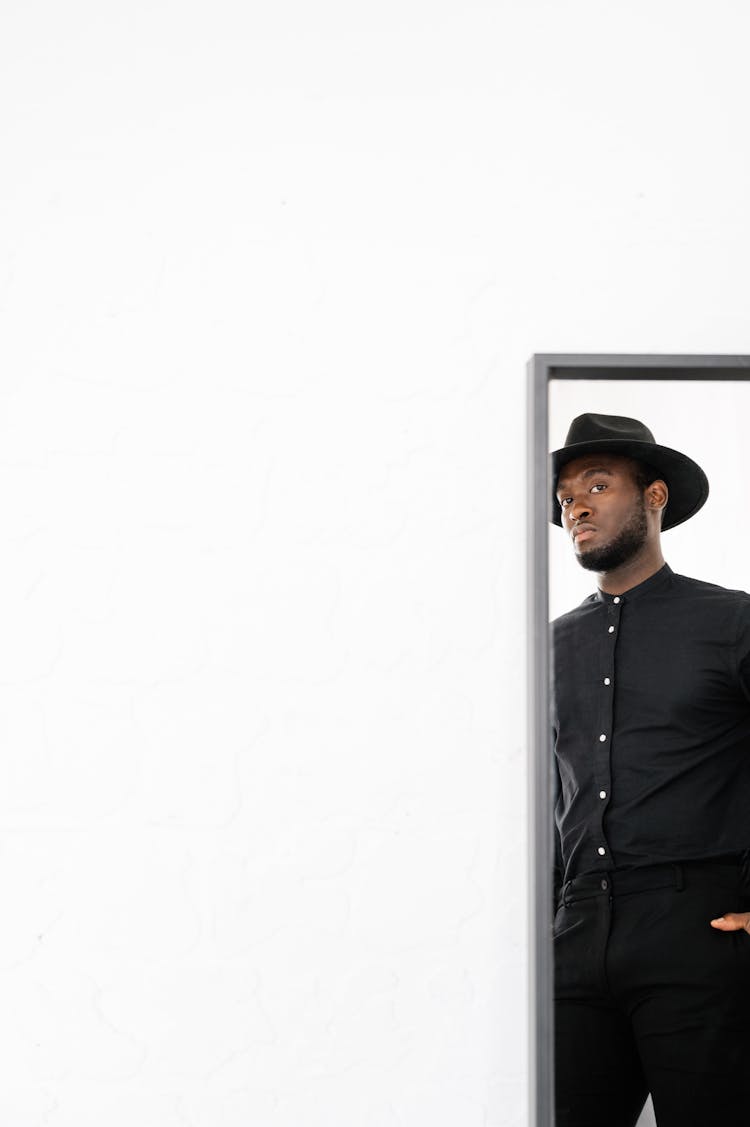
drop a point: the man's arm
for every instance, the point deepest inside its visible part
(740, 921)
(559, 868)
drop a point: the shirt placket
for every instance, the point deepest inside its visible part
(604, 737)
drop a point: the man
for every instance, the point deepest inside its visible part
(652, 750)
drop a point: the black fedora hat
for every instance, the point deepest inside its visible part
(616, 434)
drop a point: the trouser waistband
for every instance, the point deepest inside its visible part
(724, 872)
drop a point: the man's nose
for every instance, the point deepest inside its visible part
(579, 510)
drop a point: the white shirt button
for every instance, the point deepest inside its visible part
(607, 681)
(601, 850)
(602, 794)
(611, 630)
(616, 599)
(602, 738)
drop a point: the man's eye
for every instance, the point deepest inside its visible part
(565, 501)
(599, 485)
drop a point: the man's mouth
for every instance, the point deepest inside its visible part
(583, 532)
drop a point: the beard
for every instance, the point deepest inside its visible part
(628, 541)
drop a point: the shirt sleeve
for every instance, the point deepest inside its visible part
(559, 868)
(742, 648)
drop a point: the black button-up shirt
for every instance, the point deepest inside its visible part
(652, 726)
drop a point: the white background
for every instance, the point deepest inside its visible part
(269, 278)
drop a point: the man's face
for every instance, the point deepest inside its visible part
(603, 510)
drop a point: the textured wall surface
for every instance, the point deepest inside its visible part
(269, 277)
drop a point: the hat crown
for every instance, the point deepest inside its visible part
(607, 428)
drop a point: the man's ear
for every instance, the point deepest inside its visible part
(657, 494)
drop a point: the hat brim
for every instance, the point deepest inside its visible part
(686, 481)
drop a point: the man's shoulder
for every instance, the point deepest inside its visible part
(687, 587)
(589, 606)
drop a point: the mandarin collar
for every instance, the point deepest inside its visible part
(646, 587)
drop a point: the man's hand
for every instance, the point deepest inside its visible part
(733, 921)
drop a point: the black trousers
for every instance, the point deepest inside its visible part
(650, 998)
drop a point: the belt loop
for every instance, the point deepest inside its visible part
(679, 877)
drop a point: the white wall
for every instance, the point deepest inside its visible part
(270, 277)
